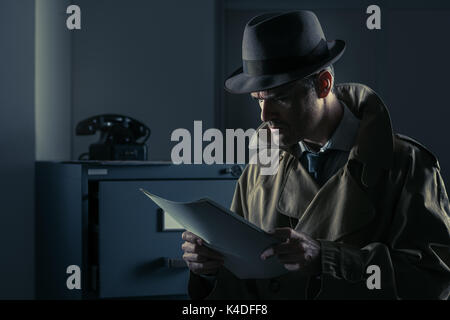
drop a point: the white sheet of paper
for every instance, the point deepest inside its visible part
(240, 242)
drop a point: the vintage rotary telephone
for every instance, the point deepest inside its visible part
(121, 138)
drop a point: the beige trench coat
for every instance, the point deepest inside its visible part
(387, 207)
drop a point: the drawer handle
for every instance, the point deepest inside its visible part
(235, 171)
(172, 263)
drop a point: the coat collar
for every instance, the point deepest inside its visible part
(342, 206)
(374, 145)
(343, 138)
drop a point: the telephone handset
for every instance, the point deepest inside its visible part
(121, 137)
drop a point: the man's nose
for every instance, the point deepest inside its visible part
(267, 110)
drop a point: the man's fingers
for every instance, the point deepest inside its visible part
(291, 258)
(287, 233)
(194, 257)
(269, 252)
(281, 233)
(283, 248)
(189, 247)
(190, 237)
(292, 267)
(208, 267)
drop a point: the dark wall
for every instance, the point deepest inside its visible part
(151, 60)
(416, 77)
(17, 149)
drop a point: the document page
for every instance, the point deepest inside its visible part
(239, 241)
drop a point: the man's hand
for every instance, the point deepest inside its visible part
(298, 252)
(200, 259)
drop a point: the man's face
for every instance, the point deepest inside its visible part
(291, 109)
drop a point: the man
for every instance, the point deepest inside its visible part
(349, 199)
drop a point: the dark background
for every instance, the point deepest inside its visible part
(164, 62)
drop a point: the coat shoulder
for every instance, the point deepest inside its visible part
(250, 177)
(413, 148)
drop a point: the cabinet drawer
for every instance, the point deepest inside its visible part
(133, 248)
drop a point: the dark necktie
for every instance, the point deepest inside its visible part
(315, 163)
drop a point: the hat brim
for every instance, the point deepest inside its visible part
(240, 82)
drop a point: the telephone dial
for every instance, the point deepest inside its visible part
(121, 137)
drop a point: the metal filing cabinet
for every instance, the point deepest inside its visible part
(92, 215)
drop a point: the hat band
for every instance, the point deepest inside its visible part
(281, 65)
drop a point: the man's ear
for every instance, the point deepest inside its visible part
(324, 82)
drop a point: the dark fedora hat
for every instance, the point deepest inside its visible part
(278, 48)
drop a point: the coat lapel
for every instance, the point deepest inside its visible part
(340, 208)
(297, 182)
(337, 209)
